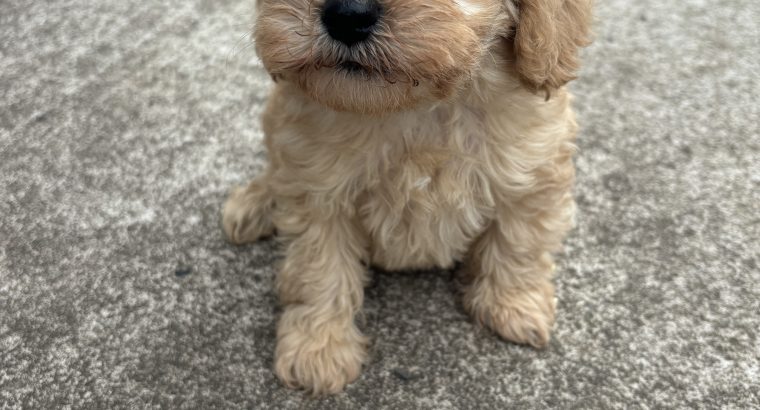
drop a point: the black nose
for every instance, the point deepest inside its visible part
(350, 21)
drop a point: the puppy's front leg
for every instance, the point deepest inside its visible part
(319, 347)
(511, 266)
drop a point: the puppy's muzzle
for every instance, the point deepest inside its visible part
(351, 21)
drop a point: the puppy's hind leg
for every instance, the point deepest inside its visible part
(246, 216)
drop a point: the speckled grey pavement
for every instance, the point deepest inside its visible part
(124, 123)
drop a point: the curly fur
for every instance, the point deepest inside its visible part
(444, 148)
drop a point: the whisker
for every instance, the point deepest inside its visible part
(245, 40)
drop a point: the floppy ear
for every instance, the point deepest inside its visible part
(548, 36)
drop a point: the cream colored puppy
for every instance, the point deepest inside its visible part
(411, 134)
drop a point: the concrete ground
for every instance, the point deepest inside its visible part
(124, 123)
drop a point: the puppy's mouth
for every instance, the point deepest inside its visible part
(360, 71)
(357, 69)
(353, 67)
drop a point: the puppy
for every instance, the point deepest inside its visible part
(411, 134)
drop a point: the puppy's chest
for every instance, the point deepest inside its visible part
(424, 206)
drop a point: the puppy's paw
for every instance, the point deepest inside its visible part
(523, 316)
(321, 359)
(245, 217)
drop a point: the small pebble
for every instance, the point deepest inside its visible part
(404, 374)
(184, 271)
